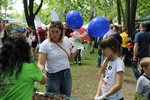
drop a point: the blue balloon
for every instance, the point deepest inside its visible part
(74, 19)
(98, 26)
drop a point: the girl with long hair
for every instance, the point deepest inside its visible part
(111, 72)
(17, 72)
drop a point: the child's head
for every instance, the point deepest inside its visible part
(15, 51)
(115, 28)
(109, 46)
(125, 29)
(145, 64)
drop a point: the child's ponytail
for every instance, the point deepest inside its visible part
(102, 71)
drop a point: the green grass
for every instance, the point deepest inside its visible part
(86, 78)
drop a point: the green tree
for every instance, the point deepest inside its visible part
(121, 11)
(88, 8)
(5, 5)
(29, 11)
(143, 7)
(131, 7)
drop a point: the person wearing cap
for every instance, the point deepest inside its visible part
(5, 33)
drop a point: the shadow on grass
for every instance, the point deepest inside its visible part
(130, 81)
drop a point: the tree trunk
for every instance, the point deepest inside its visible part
(25, 3)
(28, 11)
(38, 9)
(133, 14)
(119, 14)
(32, 16)
(123, 15)
(127, 24)
(65, 13)
(92, 15)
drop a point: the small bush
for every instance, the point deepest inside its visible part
(137, 97)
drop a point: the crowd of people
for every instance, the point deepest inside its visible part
(18, 72)
(109, 87)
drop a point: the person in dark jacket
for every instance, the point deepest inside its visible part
(118, 37)
(5, 33)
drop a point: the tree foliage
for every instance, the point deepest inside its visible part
(106, 8)
(143, 7)
(5, 5)
(62, 7)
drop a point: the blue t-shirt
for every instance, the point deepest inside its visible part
(143, 40)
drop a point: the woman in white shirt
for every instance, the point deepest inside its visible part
(54, 55)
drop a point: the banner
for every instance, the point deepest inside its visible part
(54, 16)
(38, 22)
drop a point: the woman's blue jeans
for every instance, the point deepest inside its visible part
(59, 82)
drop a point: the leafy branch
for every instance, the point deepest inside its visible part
(137, 97)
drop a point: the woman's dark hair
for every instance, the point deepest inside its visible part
(32, 27)
(137, 26)
(124, 29)
(110, 42)
(116, 28)
(14, 52)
